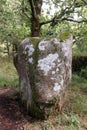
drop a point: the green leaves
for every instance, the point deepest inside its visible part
(15, 18)
(12, 25)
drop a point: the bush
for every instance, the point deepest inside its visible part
(83, 73)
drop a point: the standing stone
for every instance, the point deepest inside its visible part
(44, 69)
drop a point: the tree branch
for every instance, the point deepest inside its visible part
(32, 8)
(76, 21)
(58, 18)
(24, 10)
(62, 16)
(63, 19)
(46, 22)
(84, 2)
(26, 15)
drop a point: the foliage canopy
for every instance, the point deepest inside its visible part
(50, 16)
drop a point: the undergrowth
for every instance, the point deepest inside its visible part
(8, 73)
(74, 113)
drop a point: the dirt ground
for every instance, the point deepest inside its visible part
(11, 116)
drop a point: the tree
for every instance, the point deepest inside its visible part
(12, 27)
(31, 15)
(64, 11)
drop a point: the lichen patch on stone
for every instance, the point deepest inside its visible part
(42, 45)
(53, 72)
(46, 64)
(57, 87)
(49, 95)
(59, 60)
(30, 60)
(57, 70)
(66, 47)
(52, 78)
(56, 41)
(29, 49)
(62, 81)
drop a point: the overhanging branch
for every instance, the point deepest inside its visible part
(58, 18)
(76, 21)
(63, 19)
(85, 2)
(46, 22)
(63, 16)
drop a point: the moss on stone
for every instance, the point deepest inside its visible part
(33, 71)
(35, 111)
(35, 40)
(64, 36)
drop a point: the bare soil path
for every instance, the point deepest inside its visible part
(11, 117)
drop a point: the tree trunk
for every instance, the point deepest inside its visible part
(8, 50)
(35, 27)
(35, 19)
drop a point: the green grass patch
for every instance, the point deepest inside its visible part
(77, 96)
(8, 73)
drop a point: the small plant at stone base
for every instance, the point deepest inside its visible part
(84, 89)
(47, 127)
(74, 120)
(66, 119)
(83, 73)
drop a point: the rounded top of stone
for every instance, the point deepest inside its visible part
(26, 40)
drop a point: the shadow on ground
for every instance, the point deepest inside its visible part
(11, 116)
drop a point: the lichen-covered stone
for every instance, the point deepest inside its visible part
(54, 68)
(44, 73)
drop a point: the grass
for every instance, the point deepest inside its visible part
(74, 113)
(79, 53)
(8, 73)
(78, 95)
